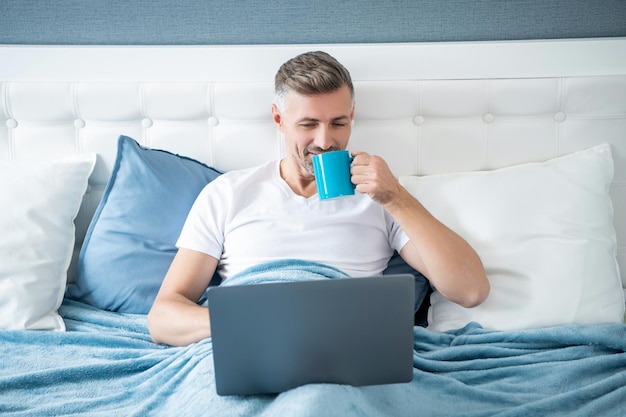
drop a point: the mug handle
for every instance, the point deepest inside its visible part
(351, 160)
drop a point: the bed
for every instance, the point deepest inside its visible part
(518, 146)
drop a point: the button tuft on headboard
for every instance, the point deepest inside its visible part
(418, 120)
(560, 117)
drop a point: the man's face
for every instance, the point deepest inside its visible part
(315, 124)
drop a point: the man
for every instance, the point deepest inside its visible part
(272, 212)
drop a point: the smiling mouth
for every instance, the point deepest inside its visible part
(318, 151)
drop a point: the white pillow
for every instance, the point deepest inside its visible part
(545, 234)
(38, 205)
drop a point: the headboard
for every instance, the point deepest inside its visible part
(427, 108)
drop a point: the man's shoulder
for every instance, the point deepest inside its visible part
(235, 182)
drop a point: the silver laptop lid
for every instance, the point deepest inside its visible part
(268, 338)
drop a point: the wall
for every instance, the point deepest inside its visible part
(172, 22)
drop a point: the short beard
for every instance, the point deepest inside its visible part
(308, 165)
(304, 163)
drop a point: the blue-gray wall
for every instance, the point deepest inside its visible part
(165, 22)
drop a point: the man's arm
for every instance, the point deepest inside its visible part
(445, 258)
(175, 317)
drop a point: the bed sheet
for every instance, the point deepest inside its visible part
(106, 364)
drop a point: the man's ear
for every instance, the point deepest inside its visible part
(352, 115)
(277, 117)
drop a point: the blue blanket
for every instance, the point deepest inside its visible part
(106, 364)
(288, 270)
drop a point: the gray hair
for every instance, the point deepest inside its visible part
(308, 74)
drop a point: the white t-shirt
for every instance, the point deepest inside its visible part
(251, 216)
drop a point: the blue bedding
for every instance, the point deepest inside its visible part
(106, 364)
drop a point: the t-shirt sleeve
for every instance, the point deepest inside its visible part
(397, 237)
(203, 230)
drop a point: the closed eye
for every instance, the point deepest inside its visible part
(340, 122)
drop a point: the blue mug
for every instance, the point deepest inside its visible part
(332, 174)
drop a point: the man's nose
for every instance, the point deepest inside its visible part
(323, 138)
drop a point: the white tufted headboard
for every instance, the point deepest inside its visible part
(426, 108)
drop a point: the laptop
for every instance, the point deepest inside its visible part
(269, 338)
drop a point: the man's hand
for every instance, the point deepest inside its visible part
(372, 176)
(175, 318)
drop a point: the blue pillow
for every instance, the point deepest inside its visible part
(130, 242)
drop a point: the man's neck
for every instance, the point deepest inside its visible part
(301, 182)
